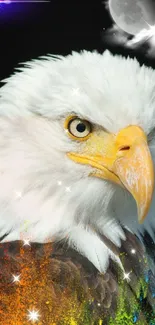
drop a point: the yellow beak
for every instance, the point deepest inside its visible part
(124, 159)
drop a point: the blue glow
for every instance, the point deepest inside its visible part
(15, 11)
(135, 317)
(141, 298)
(146, 278)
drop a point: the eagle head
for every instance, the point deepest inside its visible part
(77, 152)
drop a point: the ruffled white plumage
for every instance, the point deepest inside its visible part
(113, 92)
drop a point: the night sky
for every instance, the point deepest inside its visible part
(30, 30)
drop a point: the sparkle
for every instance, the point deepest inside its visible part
(59, 183)
(16, 278)
(75, 91)
(26, 242)
(68, 189)
(18, 194)
(127, 276)
(133, 251)
(33, 315)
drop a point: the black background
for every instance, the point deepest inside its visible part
(58, 27)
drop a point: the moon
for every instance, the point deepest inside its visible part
(132, 15)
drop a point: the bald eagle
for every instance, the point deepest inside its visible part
(77, 153)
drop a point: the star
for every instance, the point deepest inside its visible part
(75, 91)
(33, 315)
(127, 276)
(26, 242)
(133, 251)
(68, 189)
(16, 278)
(18, 194)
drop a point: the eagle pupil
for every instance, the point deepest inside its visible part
(81, 127)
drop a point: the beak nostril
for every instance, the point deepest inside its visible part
(124, 148)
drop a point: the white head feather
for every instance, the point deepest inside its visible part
(44, 195)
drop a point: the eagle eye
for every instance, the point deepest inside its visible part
(77, 128)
